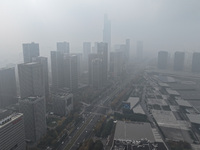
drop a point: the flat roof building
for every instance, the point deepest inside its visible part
(133, 131)
(62, 103)
(33, 109)
(30, 50)
(12, 135)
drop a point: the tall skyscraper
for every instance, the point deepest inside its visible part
(86, 52)
(33, 109)
(162, 59)
(107, 35)
(44, 62)
(102, 50)
(30, 50)
(91, 57)
(196, 62)
(179, 58)
(12, 135)
(127, 49)
(97, 73)
(116, 63)
(8, 91)
(57, 69)
(31, 80)
(107, 31)
(64, 69)
(139, 49)
(63, 47)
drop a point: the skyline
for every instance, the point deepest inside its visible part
(161, 25)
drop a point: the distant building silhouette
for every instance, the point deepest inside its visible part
(196, 62)
(102, 50)
(107, 35)
(30, 50)
(116, 63)
(63, 47)
(91, 57)
(139, 50)
(12, 135)
(86, 52)
(162, 59)
(31, 80)
(107, 31)
(57, 69)
(179, 58)
(97, 73)
(127, 49)
(33, 109)
(44, 62)
(64, 69)
(8, 89)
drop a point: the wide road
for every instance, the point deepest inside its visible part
(92, 115)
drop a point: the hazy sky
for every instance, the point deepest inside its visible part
(161, 24)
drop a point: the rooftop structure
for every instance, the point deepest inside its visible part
(133, 101)
(194, 118)
(183, 103)
(12, 135)
(129, 131)
(172, 92)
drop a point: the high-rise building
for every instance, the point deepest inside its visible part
(116, 63)
(8, 91)
(30, 50)
(196, 62)
(73, 72)
(57, 70)
(127, 54)
(33, 109)
(79, 63)
(91, 57)
(97, 73)
(62, 103)
(63, 47)
(162, 59)
(86, 52)
(31, 80)
(102, 50)
(107, 31)
(107, 36)
(64, 69)
(44, 62)
(139, 49)
(12, 135)
(179, 58)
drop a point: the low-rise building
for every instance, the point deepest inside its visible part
(62, 103)
(12, 134)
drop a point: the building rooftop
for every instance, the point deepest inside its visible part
(153, 101)
(165, 118)
(182, 86)
(194, 118)
(138, 109)
(133, 131)
(8, 119)
(133, 101)
(190, 95)
(166, 79)
(163, 84)
(183, 103)
(172, 92)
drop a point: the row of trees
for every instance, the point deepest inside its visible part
(91, 145)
